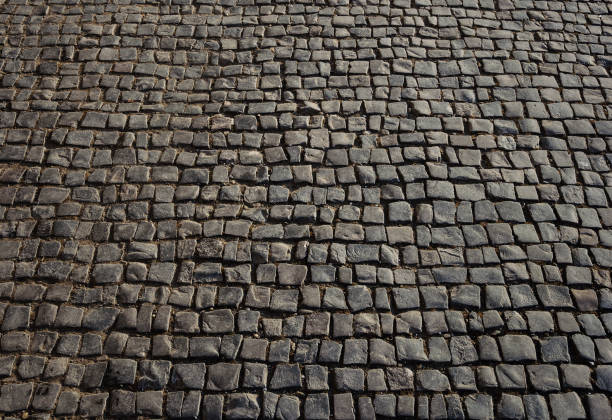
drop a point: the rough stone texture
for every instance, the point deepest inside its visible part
(305, 209)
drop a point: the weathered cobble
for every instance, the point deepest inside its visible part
(307, 209)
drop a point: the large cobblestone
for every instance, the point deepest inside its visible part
(307, 209)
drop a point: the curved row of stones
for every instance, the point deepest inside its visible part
(319, 209)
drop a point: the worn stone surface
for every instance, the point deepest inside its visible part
(319, 209)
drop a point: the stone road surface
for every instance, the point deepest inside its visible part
(307, 209)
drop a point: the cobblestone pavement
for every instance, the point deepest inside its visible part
(306, 209)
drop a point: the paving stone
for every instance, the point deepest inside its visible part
(599, 406)
(479, 406)
(223, 376)
(535, 406)
(432, 380)
(517, 348)
(242, 406)
(603, 376)
(567, 406)
(15, 397)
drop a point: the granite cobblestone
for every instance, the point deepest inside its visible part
(250, 209)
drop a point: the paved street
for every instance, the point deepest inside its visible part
(305, 209)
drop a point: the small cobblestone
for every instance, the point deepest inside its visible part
(284, 210)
